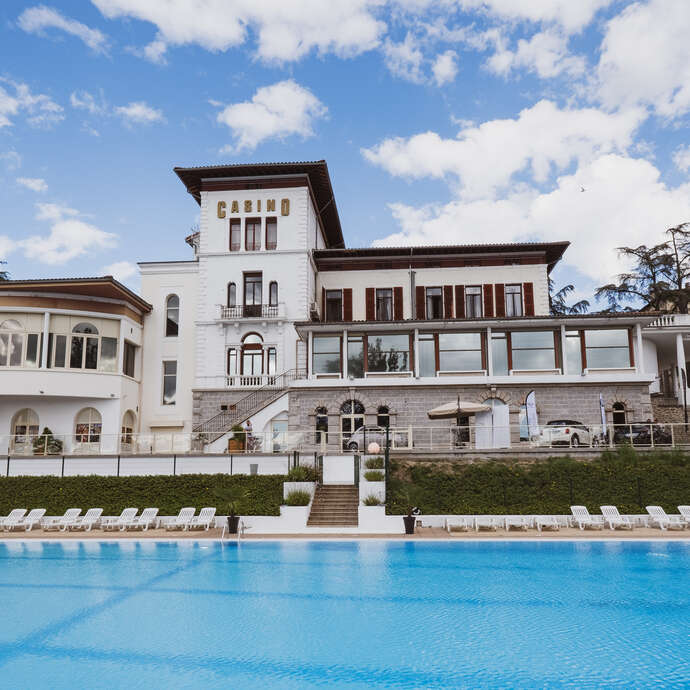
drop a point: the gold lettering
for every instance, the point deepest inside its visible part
(221, 209)
(258, 205)
(234, 208)
(270, 205)
(248, 206)
(285, 207)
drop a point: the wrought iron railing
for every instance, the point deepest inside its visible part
(249, 311)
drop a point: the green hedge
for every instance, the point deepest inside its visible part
(254, 495)
(623, 478)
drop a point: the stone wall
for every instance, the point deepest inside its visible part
(206, 404)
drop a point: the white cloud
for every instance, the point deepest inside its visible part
(11, 160)
(404, 59)
(284, 31)
(83, 100)
(69, 236)
(41, 110)
(36, 184)
(7, 245)
(681, 158)
(487, 157)
(120, 270)
(139, 112)
(36, 20)
(275, 112)
(445, 68)
(645, 58)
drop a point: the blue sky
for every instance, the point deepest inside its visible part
(452, 121)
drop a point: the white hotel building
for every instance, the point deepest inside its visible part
(272, 319)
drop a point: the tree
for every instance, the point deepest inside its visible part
(658, 278)
(4, 275)
(557, 303)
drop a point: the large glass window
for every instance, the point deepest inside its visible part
(169, 382)
(533, 350)
(334, 305)
(460, 351)
(108, 354)
(271, 233)
(271, 358)
(235, 232)
(473, 301)
(129, 359)
(388, 352)
(11, 343)
(573, 352)
(427, 354)
(252, 234)
(513, 300)
(88, 426)
(384, 304)
(33, 350)
(355, 356)
(172, 316)
(84, 347)
(273, 294)
(351, 418)
(607, 349)
(252, 294)
(326, 355)
(499, 353)
(231, 300)
(434, 303)
(232, 361)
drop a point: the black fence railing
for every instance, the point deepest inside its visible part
(248, 311)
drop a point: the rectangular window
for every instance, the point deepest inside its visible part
(607, 349)
(573, 352)
(271, 233)
(499, 353)
(252, 234)
(334, 305)
(533, 350)
(384, 304)
(427, 354)
(326, 355)
(91, 355)
(16, 349)
(108, 354)
(513, 298)
(129, 359)
(473, 301)
(61, 350)
(232, 361)
(388, 352)
(355, 356)
(4, 348)
(235, 233)
(434, 303)
(271, 360)
(169, 382)
(77, 352)
(460, 351)
(32, 350)
(252, 294)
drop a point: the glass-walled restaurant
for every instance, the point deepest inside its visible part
(482, 352)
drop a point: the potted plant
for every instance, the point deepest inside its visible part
(238, 439)
(233, 518)
(409, 521)
(47, 444)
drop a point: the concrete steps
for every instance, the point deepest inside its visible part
(335, 506)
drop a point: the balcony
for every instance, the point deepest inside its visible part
(670, 320)
(252, 311)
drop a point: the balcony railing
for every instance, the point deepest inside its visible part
(251, 311)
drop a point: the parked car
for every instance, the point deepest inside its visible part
(567, 432)
(642, 434)
(360, 439)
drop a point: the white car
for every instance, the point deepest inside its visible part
(567, 432)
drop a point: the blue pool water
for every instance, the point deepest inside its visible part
(344, 614)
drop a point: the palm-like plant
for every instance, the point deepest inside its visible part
(558, 304)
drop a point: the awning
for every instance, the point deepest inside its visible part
(458, 408)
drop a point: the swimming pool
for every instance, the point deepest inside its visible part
(347, 614)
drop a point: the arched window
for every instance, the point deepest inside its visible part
(128, 424)
(383, 417)
(85, 327)
(232, 295)
(351, 418)
(10, 325)
(273, 294)
(87, 428)
(618, 415)
(252, 355)
(172, 316)
(321, 425)
(84, 347)
(24, 430)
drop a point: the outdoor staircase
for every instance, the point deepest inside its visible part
(254, 402)
(335, 506)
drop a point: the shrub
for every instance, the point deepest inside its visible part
(298, 498)
(374, 463)
(373, 476)
(372, 500)
(301, 473)
(47, 444)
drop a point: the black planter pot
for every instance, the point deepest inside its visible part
(409, 521)
(233, 523)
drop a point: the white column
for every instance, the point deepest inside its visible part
(639, 362)
(46, 333)
(489, 358)
(680, 363)
(310, 345)
(416, 352)
(344, 350)
(564, 359)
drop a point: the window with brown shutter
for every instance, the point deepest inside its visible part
(500, 299)
(459, 301)
(370, 300)
(419, 302)
(447, 301)
(488, 300)
(398, 303)
(347, 304)
(528, 290)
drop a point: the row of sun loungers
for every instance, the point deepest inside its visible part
(93, 519)
(581, 517)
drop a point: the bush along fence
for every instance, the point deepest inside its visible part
(622, 478)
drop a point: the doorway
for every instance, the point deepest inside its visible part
(492, 427)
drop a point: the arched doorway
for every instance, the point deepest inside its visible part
(129, 421)
(351, 418)
(87, 430)
(321, 425)
(252, 355)
(24, 431)
(493, 427)
(618, 415)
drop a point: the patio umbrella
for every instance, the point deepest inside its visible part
(460, 408)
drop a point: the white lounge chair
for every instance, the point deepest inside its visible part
(147, 519)
(486, 522)
(89, 521)
(31, 520)
(121, 521)
(13, 518)
(459, 524)
(62, 523)
(542, 522)
(685, 513)
(663, 521)
(584, 520)
(204, 519)
(518, 521)
(183, 519)
(614, 519)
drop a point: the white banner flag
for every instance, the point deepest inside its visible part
(532, 420)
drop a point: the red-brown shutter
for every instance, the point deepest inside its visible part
(500, 299)
(447, 301)
(323, 304)
(488, 300)
(371, 304)
(398, 303)
(419, 300)
(347, 304)
(459, 301)
(528, 290)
